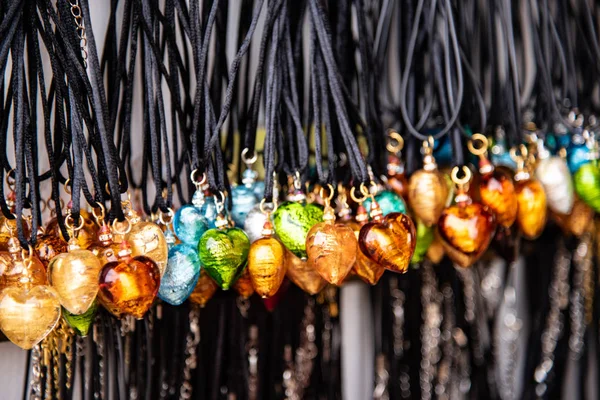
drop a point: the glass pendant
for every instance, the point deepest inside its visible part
(74, 275)
(82, 323)
(181, 274)
(366, 269)
(85, 236)
(587, 184)
(389, 241)
(554, 175)
(18, 270)
(531, 199)
(266, 262)
(255, 220)
(28, 312)
(577, 156)
(576, 222)
(147, 239)
(189, 222)
(129, 285)
(224, 251)
(425, 236)
(427, 189)
(243, 197)
(466, 228)
(49, 245)
(303, 276)
(496, 188)
(331, 248)
(204, 290)
(209, 210)
(388, 201)
(243, 285)
(292, 222)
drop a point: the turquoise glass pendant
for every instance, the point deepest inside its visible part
(388, 201)
(190, 221)
(243, 199)
(181, 275)
(577, 156)
(82, 323)
(224, 253)
(209, 211)
(292, 222)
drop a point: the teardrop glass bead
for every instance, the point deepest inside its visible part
(532, 210)
(266, 265)
(427, 195)
(181, 275)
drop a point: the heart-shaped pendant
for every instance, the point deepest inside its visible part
(74, 276)
(293, 221)
(390, 242)
(466, 228)
(497, 192)
(204, 290)
(587, 184)
(367, 270)
(181, 275)
(28, 314)
(466, 231)
(331, 250)
(303, 276)
(147, 239)
(223, 254)
(189, 224)
(81, 324)
(243, 285)
(266, 265)
(555, 177)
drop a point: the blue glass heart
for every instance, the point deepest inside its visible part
(190, 224)
(209, 211)
(181, 275)
(577, 155)
(243, 199)
(389, 202)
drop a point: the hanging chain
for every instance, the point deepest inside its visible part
(77, 15)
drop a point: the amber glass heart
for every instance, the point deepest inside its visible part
(204, 290)
(147, 239)
(497, 192)
(331, 250)
(49, 246)
(367, 270)
(532, 211)
(15, 275)
(129, 286)
(466, 231)
(74, 276)
(266, 265)
(28, 314)
(243, 285)
(305, 277)
(390, 243)
(85, 236)
(427, 195)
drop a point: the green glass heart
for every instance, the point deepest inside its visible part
(224, 254)
(587, 184)
(293, 221)
(82, 323)
(388, 201)
(425, 236)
